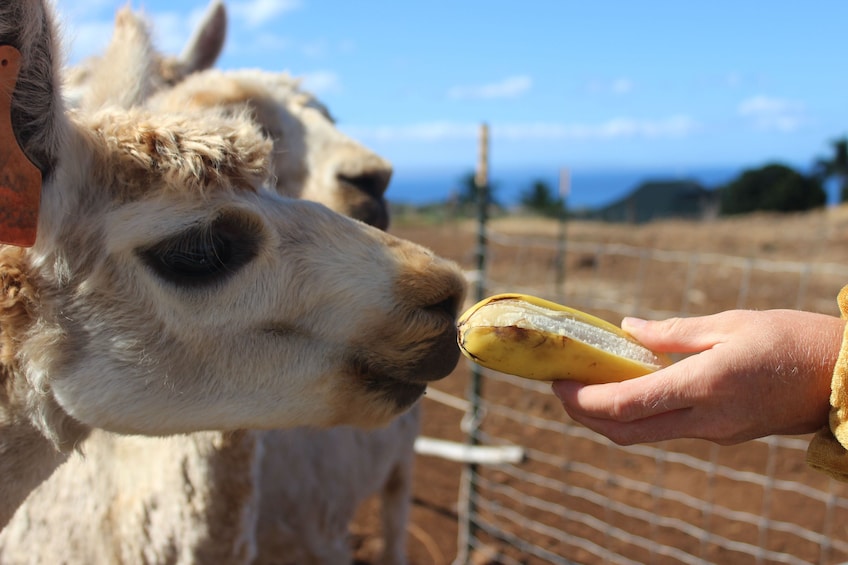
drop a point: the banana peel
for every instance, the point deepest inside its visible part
(538, 339)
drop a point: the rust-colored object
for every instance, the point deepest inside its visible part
(20, 180)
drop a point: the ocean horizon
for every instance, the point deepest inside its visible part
(589, 188)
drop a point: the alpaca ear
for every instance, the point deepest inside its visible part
(20, 180)
(38, 113)
(203, 49)
(124, 76)
(35, 128)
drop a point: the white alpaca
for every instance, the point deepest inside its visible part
(169, 292)
(311, 481)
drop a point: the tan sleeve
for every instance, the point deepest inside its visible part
(828, 450)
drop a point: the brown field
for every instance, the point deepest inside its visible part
(818, 237)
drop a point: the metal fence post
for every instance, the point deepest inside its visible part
(562, 216)
(468, 489)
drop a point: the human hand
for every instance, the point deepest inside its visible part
(752, 374)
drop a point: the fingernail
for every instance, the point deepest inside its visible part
(556, 390)
(633, 323)
(561, 388)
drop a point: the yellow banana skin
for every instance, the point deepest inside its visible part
(538, 339)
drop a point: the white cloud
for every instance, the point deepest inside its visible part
(259, 42)
(761, 105)
(171, 31)
(617, 128)
(267, 42)
(321, 82)
(347, 46)
(621, 85)
(88, 38)
(733, 79)
(430, 131)
(80, 9)
(510, 87)
(258, 12)
(773, 114)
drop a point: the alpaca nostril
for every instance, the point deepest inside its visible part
(449, 306)
(369, 206)
(449, 301)
(373, 183)
(428, 285)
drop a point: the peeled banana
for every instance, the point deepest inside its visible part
(537, 339)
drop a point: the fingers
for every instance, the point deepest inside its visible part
(752, 373)
(627, 401)
(670, 425)
(666, 390)
(676, 335)
(628, 414)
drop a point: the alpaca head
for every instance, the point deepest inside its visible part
(174, 290)
(312, 158)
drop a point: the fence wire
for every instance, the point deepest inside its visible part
(579, 498)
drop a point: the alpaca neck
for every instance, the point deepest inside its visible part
(28, 455)
(26, 459)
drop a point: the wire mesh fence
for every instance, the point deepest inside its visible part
(578, 498)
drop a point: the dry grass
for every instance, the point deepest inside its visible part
(820, 235)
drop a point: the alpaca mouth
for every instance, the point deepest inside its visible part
(374, 212)
(402, 387)
(441, 359)
(402, 394)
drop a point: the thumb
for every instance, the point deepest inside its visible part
(674, 335)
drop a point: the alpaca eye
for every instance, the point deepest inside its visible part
(203, 254)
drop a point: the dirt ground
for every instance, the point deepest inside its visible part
(819, 236)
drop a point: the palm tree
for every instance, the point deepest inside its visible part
(837, 167)
(540, 198)
(467, 190)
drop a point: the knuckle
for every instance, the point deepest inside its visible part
(622, 410)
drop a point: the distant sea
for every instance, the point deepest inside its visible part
(589, 188)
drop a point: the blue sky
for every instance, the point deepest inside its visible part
(561, 83)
